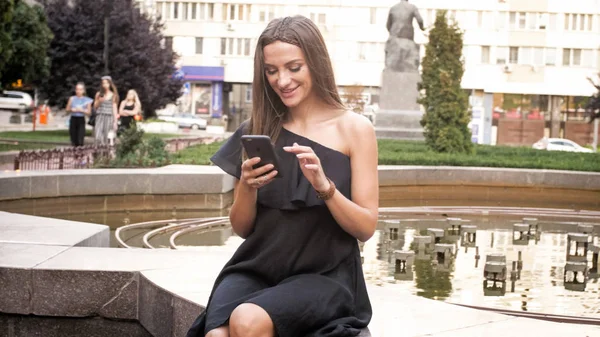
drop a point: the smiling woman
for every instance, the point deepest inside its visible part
(298, 273)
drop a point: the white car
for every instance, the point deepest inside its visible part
(559, 144)
(16, 101)
(186, 121)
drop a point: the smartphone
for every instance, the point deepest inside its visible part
(261, 146)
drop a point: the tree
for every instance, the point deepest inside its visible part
(6, 15)
(446, 105)
(137, 59)
(30, 38)
(593, 104)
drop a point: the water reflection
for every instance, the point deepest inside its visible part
(529, 267)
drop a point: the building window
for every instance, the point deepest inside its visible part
(246, 47)
(590, 22)
(566, 57)
(576, 57)
(485, 54)
(194, 9)
(318, 18)
(501, 53)
(207, 11)
(199, 43)
(586, 58)
(373, 12)
(479, 19)
(501, 20)
(538, 56)
(573, 21)
(248, 94)
(550, 56)
(513, 55)
(236, 12)
(552, 22)
(524, 55)
(176, 10)
(266, 13)
(522, 20)
(235, 46)
(223, 46)
(169, 42)
(512, 20)
(533, 21)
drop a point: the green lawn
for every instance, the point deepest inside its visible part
(56, 136)
(394, 152)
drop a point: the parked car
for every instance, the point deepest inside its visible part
(559, 144)
(16, 101)
(186, 121)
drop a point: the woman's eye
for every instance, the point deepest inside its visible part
(295, 70)
(271, 72)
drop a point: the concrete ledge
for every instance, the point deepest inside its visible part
(486, 176)
(174, 179)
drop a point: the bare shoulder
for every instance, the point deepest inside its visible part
(358, 131)
(356, 124)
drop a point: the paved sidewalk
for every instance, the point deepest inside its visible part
(55, 122)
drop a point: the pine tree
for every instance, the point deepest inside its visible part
(446, 104)
(136, 58)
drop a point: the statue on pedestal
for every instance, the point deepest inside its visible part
(401, 51)
(400, 115)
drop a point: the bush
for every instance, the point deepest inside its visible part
(134, 150)
(446, 105)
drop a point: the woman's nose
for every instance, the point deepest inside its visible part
(283, 80)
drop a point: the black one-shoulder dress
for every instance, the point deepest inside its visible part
(298, 264)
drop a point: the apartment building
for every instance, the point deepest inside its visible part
(522, 58)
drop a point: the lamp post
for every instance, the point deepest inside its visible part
(108, 4)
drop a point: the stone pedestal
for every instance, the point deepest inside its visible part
(400, 115)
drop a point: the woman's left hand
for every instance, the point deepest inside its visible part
(310, 166)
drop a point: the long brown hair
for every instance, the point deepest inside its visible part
(112, 88)
(268, 111)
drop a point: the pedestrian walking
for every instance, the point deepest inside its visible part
(78, 107)
(106, 111)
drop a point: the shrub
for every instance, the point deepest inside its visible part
(133, 150)
(446, 105)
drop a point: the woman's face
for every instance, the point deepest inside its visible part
(79, 90)
(287, 72)
(105, 85)
(130, 96)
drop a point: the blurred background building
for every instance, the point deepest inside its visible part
(527, 63)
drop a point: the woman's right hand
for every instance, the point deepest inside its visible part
(258, 177)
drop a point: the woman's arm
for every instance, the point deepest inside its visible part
(88, 109)
(358, 217)
(68, 108)
(121, 110)
(136, 109)
(243, 210)
(97, 100)
(115, 116)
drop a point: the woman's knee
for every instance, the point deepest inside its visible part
(250, 320)
(218, 332)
